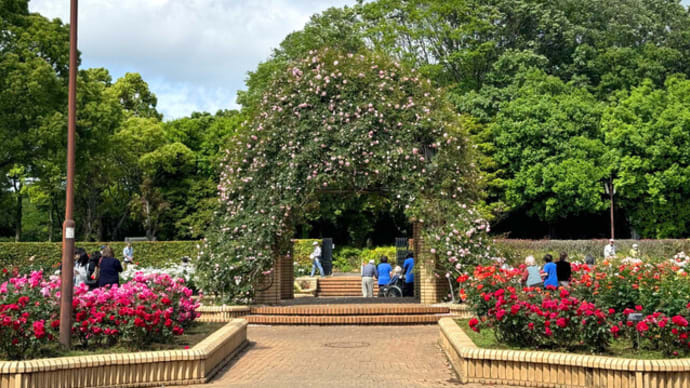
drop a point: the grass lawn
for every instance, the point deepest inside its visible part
(192, 336)
(619, 348)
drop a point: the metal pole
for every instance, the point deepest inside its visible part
(611, 197)
(68, 226)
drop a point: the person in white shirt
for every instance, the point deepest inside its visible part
(610, 249)
(316, 259)
(128, 253)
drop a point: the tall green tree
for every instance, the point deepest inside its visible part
(33, 70)
(648, 133)
(549, 146)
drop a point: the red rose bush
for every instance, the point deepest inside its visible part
(149, 308)
(590, 314)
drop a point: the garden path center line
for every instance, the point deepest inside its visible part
(340, 356)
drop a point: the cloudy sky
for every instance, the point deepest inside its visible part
(195, 54)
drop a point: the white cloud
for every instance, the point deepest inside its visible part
(195, 54)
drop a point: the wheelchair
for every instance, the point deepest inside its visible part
(394, 288)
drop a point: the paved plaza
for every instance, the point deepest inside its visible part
(339, 356)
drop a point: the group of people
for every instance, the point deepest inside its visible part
(556, 274)
(101, 268)
(385, 275)
(610, 250)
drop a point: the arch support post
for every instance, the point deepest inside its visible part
(279, 285)
(430, 288)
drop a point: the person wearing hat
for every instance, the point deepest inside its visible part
(369, 273)
(609, 249)
(316, 259)
(634, 252)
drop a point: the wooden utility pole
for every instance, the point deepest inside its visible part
(66, 289)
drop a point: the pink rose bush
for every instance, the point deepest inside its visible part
(591, 313)
(149, 308)
(29, 308)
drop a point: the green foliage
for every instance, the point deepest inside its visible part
(648, 132)
(516, 250)
(335, 122)
(345, 258)
(48, 255)
(537, 77)
(301, 249)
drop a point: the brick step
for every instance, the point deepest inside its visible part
(348, 310)
(340, 293)
(345, 319)
(327, 290)
(332, 286)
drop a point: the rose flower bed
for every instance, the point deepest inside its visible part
(588, 316)
(149, 308)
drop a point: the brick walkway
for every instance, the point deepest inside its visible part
(338, 357)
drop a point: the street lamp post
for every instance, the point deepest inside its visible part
(66, 288)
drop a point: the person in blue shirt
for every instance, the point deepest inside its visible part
(408, 270)
(550, 272)
(384, 269)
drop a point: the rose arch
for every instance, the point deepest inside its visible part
(342, 123)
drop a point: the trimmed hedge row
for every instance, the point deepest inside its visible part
(516, 250)
(46, 255)
(162, 253)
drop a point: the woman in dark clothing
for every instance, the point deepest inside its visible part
(110, 268)
(92, 275)
(563, 270)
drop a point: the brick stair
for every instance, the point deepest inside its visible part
(340, 286)
(365, 314)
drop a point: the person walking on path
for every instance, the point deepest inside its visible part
(316, 259)
(563, 270)
(128, 253)
(531, 275)
(408, 268)
(369, 272)
(384, 274)
(110, 268)
(551, 277)
(609, 249)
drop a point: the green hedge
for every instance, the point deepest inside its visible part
(516, 250)
(45, 255)
(345, 258)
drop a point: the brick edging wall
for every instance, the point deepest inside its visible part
(140, 369)
(221, 313)
(366, 309)
(549, 369)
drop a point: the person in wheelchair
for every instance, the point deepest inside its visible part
(395, 285)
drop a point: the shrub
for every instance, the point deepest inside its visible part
(149, 308)
(591, 312)
(45, 255)
(301, 249)
(28, 314)
(516, 250)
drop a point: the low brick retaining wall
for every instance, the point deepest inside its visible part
(548, 369)
(221, 313)
(141, 369)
